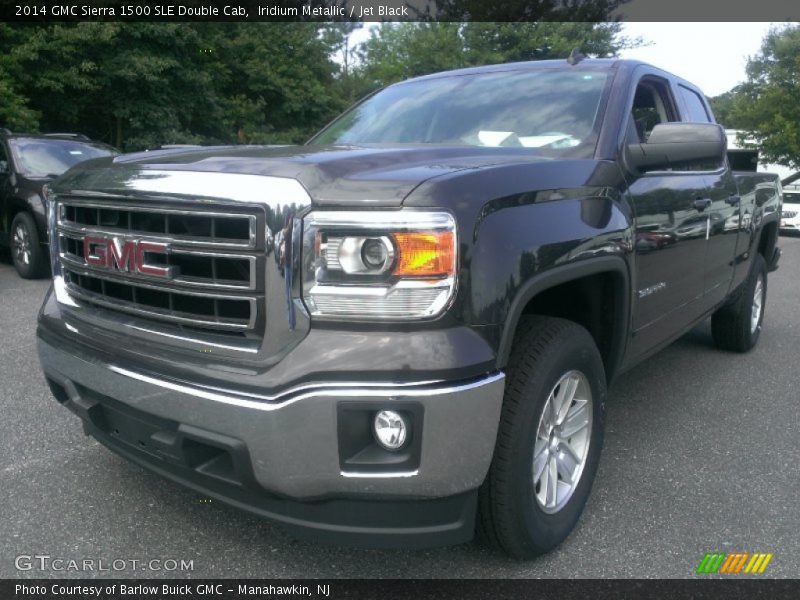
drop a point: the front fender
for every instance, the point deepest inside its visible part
(522, 250)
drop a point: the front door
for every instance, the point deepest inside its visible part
(670, 231)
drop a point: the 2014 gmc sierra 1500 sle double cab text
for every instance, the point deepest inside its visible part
(460, 264)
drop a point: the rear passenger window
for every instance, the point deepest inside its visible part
(695, 106)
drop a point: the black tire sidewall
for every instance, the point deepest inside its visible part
(36, 266)
(544, 530)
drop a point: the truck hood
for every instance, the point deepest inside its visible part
(336, 175)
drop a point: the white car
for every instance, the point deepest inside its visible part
(790, 215)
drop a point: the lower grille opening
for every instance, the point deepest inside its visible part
(210, 460)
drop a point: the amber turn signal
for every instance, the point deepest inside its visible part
(425, 254)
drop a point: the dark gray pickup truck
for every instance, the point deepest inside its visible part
(402, 332)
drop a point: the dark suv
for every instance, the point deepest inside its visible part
(27, 163)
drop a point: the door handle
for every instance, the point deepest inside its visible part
(702, 203)
(733, 199)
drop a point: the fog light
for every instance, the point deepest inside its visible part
(390, 429)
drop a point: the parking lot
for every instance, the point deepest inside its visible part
(702, 454)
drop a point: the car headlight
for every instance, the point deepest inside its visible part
(378, 265)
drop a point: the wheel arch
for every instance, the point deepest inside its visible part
(614, 268)
(768, 242)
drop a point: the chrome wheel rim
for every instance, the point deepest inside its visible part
(562, 441)
(758, 302)
(21, 244)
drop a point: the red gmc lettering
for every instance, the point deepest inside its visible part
(94, 251)
(123, 256)
(146, 269)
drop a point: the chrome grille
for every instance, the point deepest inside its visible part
(209, 228)
(210, 262)
(789, 214)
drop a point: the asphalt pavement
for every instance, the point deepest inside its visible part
(702, 454)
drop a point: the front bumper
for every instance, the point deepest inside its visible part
(792, 224)
(790, 219)
(283, 459)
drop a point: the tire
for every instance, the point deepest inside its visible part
(29, 257)
(735, 326)
(518, 512)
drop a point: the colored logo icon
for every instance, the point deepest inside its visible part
(734, 563)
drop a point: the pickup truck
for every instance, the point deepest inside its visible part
(27, 163)
(465, 261)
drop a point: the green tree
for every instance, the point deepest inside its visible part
(14, 110)
(277, 81)
(722, 107)
(398, 51)
(139, 85)
(488, 43)
(766, 105)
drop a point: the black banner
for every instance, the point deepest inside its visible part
(43, 11)
(399, 589)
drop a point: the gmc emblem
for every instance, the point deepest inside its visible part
(124, 255)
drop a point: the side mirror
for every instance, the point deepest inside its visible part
(672, 145)
(3, 168)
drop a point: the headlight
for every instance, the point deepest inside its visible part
(378, 265)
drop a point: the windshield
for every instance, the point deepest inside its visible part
(791, 197)
(37, 157)
(546, 109)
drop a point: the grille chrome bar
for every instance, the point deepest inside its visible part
(142, 309)
(70, 225)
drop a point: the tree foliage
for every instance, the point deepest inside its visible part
(139, 85)
(767, 105)
(722, 107)
(396, 52)
(143, 84)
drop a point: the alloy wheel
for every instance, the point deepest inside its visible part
(758, 302)
(562, 441)
(21, 244)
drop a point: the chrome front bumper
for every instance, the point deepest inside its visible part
(292, 441)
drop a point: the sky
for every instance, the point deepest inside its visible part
(710, 55)
(713, 56)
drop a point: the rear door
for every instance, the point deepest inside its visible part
(722, 217)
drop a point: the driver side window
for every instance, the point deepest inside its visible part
(652, 104)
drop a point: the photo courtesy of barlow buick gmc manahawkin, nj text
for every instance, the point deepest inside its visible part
(402, 333)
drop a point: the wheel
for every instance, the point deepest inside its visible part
(549, 439)
(29, 258)
(736, 325)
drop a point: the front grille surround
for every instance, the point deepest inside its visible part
(215, 256)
